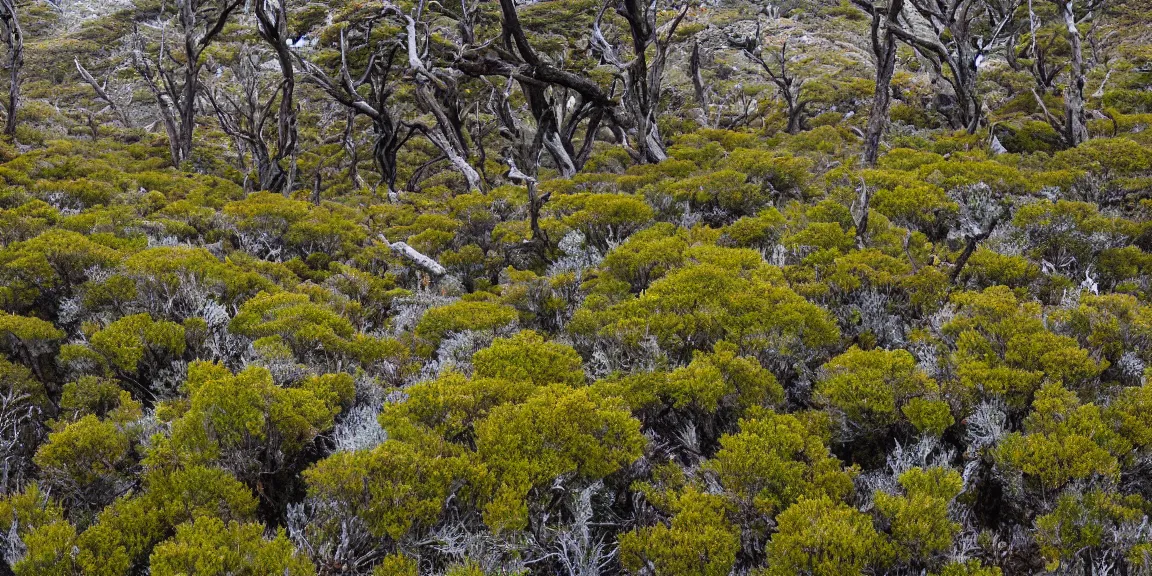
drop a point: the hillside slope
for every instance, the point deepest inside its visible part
(358, 287)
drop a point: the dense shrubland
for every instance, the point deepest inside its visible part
(576, 288)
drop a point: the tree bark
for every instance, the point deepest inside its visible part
(273, 29)
(697, 78)
(176, 98)
(884, 47)
(642, 80)
(389, 133)
(435, 95)
(861, 215)
(1075, 121)
(14, 39)
(952, 50)
(969, 249)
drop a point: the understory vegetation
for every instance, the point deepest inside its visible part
(355, 287)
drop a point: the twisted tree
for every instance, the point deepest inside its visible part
(175, 83)
(642, 79)
(884, 17)
(378, 76)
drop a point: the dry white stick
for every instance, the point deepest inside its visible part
(415, 257)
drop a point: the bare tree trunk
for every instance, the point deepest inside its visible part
(642, 80)
(536, 203)
(964, 70)
(969, 249)
(187, 111)
(585, 150)
(444, 137)
(349, 143)
(1075, 120)
(523, 157)
(162, 91)
(860, 214)
(390, 133)
(273, 29)
(878, 117)
(952, 50)
(541, 106)
(698, 79)
(795, 114)
(545, 88)
(884, 47)
(974, 112)
(14, 39)
(201, 21)
(431, 85)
